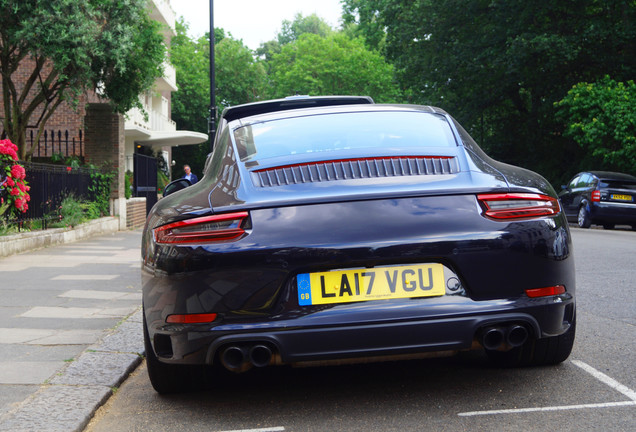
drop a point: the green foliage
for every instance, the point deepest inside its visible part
(100, 189)
(128, 181)
(239, 79)
(73, 211)
(601, 118)
(332, 65)
(76, 46)
(72, 161)
(312, 24)
(361, 18)
(162, 181)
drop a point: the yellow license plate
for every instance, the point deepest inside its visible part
(622, 197)
(353, 285)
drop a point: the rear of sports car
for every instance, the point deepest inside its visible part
(358, 232)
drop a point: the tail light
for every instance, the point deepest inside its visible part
(191, 318)
(508, 206)
(207, 229)
(596, 196)
(545, 292)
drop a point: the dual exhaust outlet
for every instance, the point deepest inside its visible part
(503, 337)
(240, 358)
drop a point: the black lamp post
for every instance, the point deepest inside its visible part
(212, 117)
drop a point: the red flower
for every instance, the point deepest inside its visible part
(18, 173)
(68, 169)
(15, 191)
(9, 149)
(10, 181)
(21, 204)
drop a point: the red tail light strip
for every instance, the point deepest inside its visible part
(207, 229)
(191, 318)
(546, 292)
(508, 206)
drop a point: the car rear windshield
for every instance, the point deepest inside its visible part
(617, 184)
(342, 131)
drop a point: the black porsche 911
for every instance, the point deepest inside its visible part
(334, 229)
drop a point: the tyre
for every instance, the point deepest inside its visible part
(537, 352)
(584, 217)
(168, 378)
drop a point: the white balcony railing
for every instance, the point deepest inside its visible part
(156, 121)
(168, 82)
(162, 12)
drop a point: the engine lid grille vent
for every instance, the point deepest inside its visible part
(348, 169)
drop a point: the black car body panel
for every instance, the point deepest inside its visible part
(379, 208)
(600, 197)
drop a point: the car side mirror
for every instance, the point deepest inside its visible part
(175, 186)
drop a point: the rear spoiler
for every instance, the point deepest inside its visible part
(289, 103)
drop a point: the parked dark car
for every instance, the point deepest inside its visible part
(335, 229)
(602, 198)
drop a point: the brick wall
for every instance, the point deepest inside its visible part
(104, 142)
(135, 213)
(65, 116)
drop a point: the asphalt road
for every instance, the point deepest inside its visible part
(595, 389)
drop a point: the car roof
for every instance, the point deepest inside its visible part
(609, 175)
(290, 103)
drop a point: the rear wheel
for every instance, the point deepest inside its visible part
(584, 218)
(168, 378)
(537, 352)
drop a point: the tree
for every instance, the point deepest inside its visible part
(500, 65)
(239, 79)
(290, 32)
(331, 65)
(313, 24)
(69, 47)
(601, 118)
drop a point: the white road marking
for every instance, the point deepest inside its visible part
(84, 277)
(97, 295)
(75, 313)
(272, 429)
(631, 394)
(95, 247)
(60, 312)
(606, 379)
(48, 337)
(543, 409)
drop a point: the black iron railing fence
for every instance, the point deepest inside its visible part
(52, 142)
(50, 184)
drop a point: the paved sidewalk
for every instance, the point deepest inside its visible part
(70, 330)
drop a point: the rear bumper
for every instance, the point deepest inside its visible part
(617, 213)
(307, 339)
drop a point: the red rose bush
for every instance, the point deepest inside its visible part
(14, 191)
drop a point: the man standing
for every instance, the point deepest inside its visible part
(189, 175)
